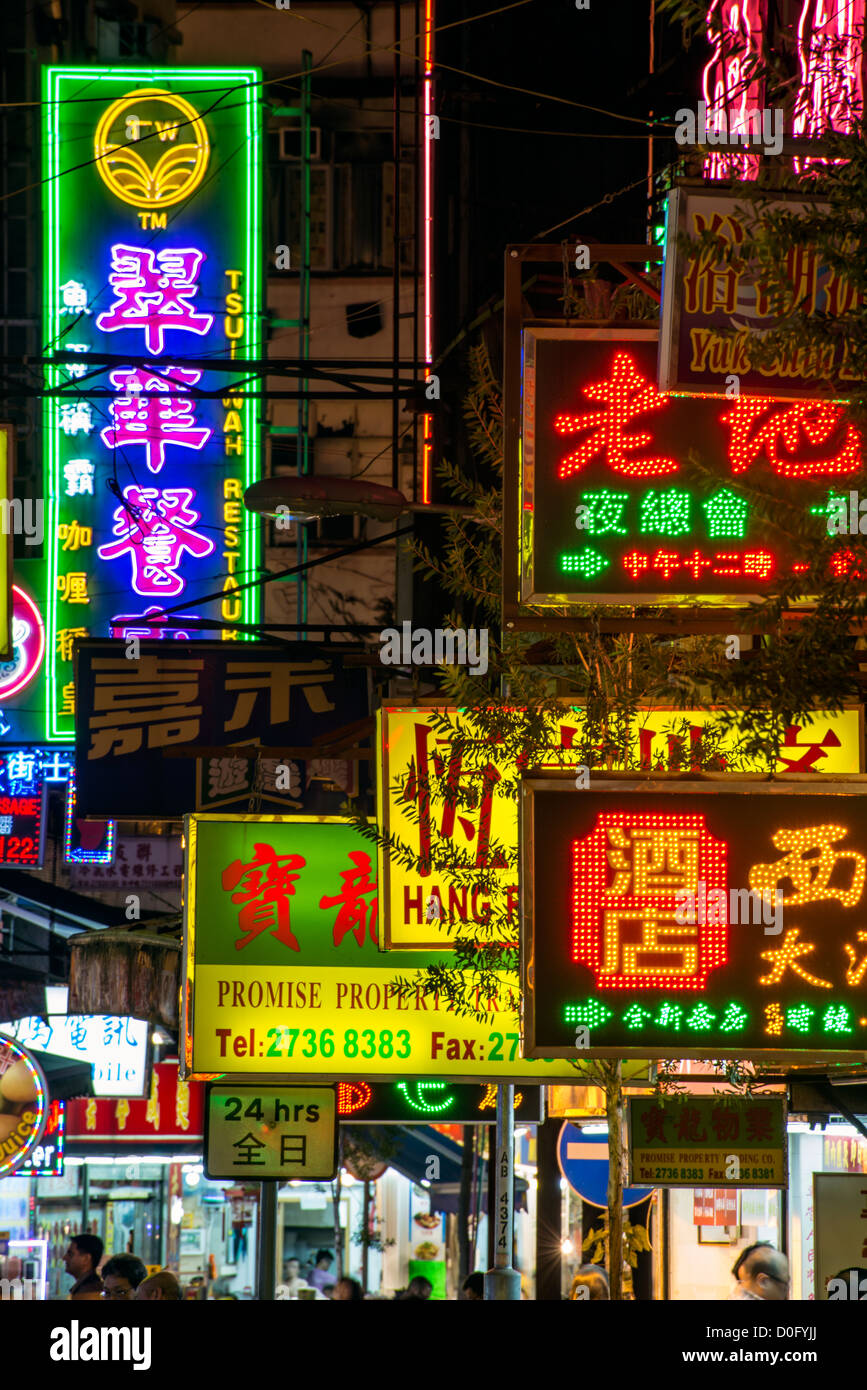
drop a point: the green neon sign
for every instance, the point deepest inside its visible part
(152, 226)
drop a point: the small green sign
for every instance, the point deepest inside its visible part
(271, 1131)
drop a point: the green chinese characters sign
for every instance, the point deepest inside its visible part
(151, 220)
(707, 1141)
(285, 977)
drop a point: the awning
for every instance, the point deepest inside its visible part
(66, 1077)
(409, 1148)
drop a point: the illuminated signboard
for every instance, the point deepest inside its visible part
(284, 975)
(171, 1113)
(116, 1048)
(86, 842)
(712, 311)
(614, 509)
(701, 1140)
(423, 768)
(152, 232)
(23, 1105)
(704, 919)
(46, 1158)
(432, 1102)
(271, 1131)
(22, 808)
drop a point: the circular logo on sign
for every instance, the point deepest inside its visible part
(23, 1105)
(28, 645)
(151, 148)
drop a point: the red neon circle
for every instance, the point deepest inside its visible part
(21, 600)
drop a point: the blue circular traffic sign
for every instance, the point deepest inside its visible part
(583, 1160)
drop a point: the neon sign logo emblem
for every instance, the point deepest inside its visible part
(154, 177)
(627, 875)
(28, 645)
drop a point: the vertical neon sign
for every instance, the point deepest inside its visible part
(731, 88)
(152, 226)
(830, 93)
(427, 95)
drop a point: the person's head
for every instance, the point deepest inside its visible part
(323, 1259)
(419, 1287)
(474, 1286)
(83, 1255)
(848, 1283)
(160, 1287)
(590, 1285)
(764, 1271)
(121, 1276)
(327, 1290)
(348, 1291)
(293, 1268)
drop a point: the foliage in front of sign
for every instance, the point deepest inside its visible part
(595, 1244)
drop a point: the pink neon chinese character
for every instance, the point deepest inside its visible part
(151, 623)
(732, 82)
(153, 290)
(156, 536)
(154, 420)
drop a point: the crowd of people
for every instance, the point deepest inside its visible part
(125, 1277)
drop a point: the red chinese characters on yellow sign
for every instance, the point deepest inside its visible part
(626, 875)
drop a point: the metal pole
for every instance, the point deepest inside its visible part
(503, 1282)
(267, 1270)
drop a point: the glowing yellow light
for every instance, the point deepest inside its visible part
(773, 1019)
(787, 956)
(855, 973)
(810, 876)
(175, 173)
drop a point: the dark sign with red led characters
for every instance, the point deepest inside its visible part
(694, 919)
(631, 495)
(22, 808)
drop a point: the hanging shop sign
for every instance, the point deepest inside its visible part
(172, 1111)
(840, 1240)
(151, 220)
(116, 1048)
(271, 1131)
(131, 712)
(441, 800)
(23, 1105)
(630, 495)
(432, 1102)
(144, 861)
(695, 1141)
(45, 1159)
(710, 919)
(285, 977)
(714, 307)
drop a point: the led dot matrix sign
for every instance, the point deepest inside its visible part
(426, 1102)
(613, 510)
(151, 234)
(704, 919)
